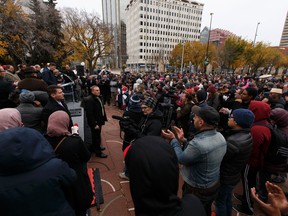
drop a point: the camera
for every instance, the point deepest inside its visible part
(124, 122)
(120, 118)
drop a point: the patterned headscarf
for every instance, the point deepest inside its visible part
(10, 118)
(58, 124)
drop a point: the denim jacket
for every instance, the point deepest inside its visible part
(201, 158)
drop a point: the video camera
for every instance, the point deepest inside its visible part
(124, 122)
(120, 118)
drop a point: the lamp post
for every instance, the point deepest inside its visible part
(50, 2)
(182, 58)
(206, 62)
(256, 34)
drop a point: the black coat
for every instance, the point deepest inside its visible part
(73, 151)
(239, 147)
(133, 119)
(53, 106)
(5, 89)
(93, 111)
(31, 177)
(149, 125)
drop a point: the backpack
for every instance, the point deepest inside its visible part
(276, 158)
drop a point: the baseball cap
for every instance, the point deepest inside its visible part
(208, 114)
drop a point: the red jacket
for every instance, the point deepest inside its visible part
(261, 135)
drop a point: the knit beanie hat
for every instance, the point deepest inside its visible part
(243, 117)
(26, 97)
(280, 116)
(211, 89)
(149, 102)
(134, 103)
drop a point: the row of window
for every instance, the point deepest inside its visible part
(174, 34)
(156, 45)
(175, 27)
(171, 20)
(149, 57)
(168, 13)
(171, 40)
(171, 5)
(154, 51)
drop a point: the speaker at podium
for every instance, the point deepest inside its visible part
(80, 70)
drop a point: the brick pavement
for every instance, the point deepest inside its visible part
(116, 192)
(117, 198)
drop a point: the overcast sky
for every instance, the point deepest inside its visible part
(237, 16)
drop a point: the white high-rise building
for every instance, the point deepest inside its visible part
(154, 27)
(284, 37)
(113, 15)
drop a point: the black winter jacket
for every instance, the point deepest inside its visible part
(239, 147)
(149, 125)
(94, 111)
(31, 177)
(74, 152)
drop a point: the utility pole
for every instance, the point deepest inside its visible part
(256, 33)
(182, 59)
(206, 60)
(50, 2)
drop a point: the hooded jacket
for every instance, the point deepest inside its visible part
(261, 134)
(154, 174)
(31, 177)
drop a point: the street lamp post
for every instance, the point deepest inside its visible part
(256, 34)
(182, 59)
(206, 62)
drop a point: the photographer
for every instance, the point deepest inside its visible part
(129, 119)
(150, 122)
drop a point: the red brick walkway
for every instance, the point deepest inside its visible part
(117, 198)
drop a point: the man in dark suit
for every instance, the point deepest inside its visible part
(55, 103)
(96, 117)
(48, 75)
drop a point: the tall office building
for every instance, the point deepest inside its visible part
(284, 38)
(154, 27)
(113, 13)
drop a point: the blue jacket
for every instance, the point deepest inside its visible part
(201, 158)
(31, 177)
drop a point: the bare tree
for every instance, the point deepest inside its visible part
(90, 38)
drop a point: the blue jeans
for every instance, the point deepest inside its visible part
(223, 202)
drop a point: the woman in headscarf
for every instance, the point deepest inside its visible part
(10, 118)
(71, 148)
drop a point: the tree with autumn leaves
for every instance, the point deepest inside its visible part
(42, 35)
(234, 53)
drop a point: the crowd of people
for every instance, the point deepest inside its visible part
(218, 127)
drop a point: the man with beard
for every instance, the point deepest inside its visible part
(275, 99)
(201, 157)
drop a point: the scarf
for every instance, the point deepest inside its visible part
(10, 118)
(58, 124)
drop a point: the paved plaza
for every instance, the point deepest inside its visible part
(117, 198)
